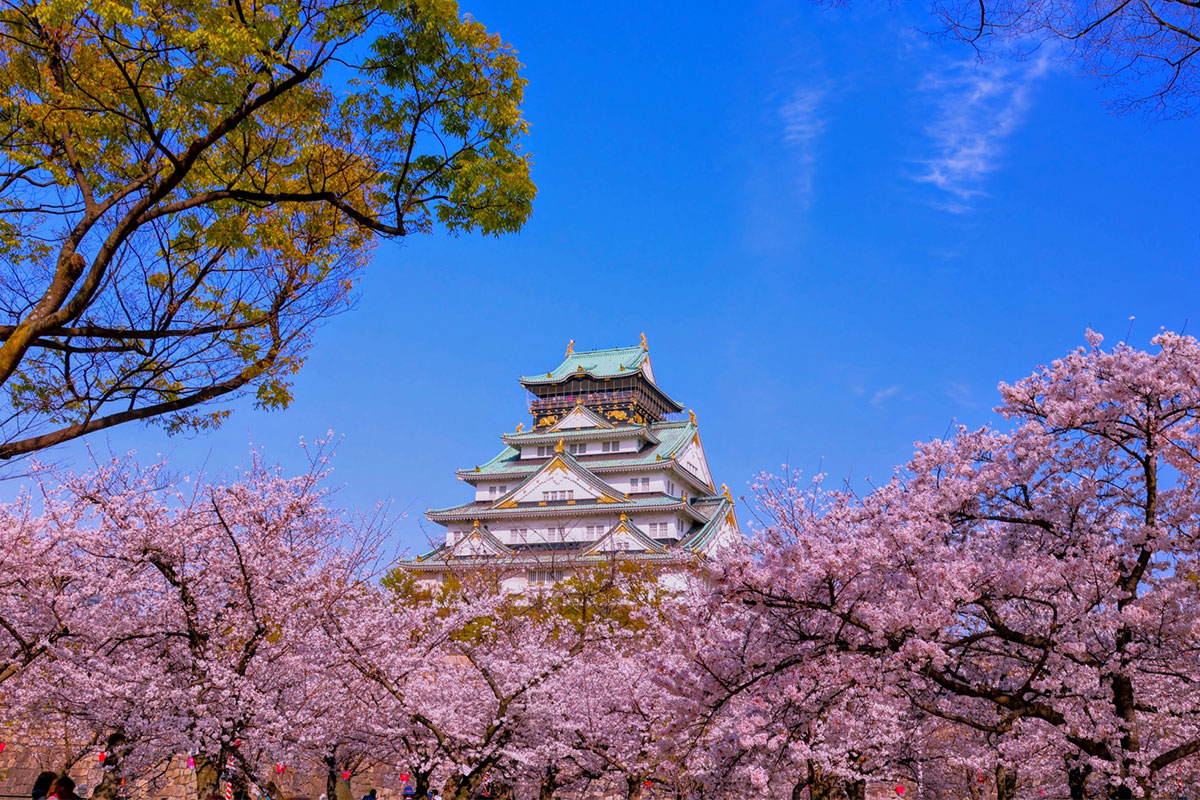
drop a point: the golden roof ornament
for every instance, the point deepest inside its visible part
(475, 524)
(570, 347)
(520, 427)
(644, 345)
(624, 517)
(692, 415)
(558, 448)
(726, 493)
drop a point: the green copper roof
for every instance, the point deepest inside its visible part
(700, 538)
(673, 438)
(483, 509)
(536, 437)
(597, 363)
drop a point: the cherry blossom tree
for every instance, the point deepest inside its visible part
(1037, 586)
(207, 649)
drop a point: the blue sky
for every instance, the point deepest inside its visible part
(837, 234)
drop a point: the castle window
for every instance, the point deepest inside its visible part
(543, 577)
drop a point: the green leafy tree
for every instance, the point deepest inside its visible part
(188, 186)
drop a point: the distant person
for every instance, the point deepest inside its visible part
(63, 788)
(41, 787)
(369, 795)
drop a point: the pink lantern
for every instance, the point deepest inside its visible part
(279, 768)
(191, 763)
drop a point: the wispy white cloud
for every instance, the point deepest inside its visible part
(978, 106)
(962, 394)
(803, 124)
(884, 394)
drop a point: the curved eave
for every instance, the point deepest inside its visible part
(666, 399)
(702, 537)
(673, 555)
(459, 513)
(470, 476)
(578, 435)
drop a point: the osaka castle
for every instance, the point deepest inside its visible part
(609, 468)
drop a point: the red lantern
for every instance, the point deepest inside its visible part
(900, 791)
(2, 746)
(1042, 792)
(237, 742)
(101, 756)
(279, 768)
(404, 777)
(981, 777)
(647, 784)
(346, 775)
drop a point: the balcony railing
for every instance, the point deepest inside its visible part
(539, 404)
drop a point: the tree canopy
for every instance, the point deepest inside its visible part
(187, 187)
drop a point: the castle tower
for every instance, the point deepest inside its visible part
(610, 468)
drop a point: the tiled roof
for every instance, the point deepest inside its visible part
(597, 363)
(575, 434)
(649, 545)
(437, 559)
(673, 438)
(484, 510)
(716, 509)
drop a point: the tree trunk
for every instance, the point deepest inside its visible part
(1006, 782)
(856, 790)
(110, 783)
(421, 782)
(461, 787)
(1077, 781)
(823, 786)
(549, 783)
(331, 775)
(208, 775)
(633, 788)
